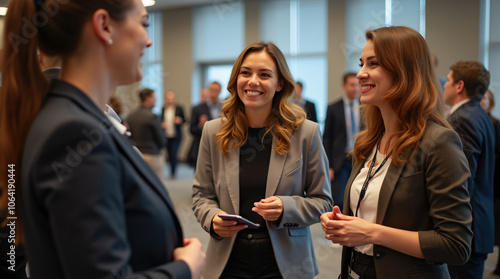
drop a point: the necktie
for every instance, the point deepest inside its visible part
(353, 124)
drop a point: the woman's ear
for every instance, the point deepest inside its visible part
(281, 84)
(102, 26)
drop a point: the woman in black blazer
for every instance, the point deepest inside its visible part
(91, 207)
(406, 207)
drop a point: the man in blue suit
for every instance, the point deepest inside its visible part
(466, 84)
(339, 135)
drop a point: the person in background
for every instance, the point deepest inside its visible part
(91, 207)
(342, 123)
(466, 84)
(202, 113)
(308, 106)
(264, 161)
(146, 132)
(406, 207)
(203, 95)
(488, 103)
(435, 62)
(173, 118)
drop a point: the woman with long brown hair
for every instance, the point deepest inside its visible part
(261, 160)
(91, 206)
(406, 207)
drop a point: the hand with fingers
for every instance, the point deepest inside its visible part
(346, 230)
(226, 228)
(270, 209)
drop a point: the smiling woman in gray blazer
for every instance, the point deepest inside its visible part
(406, 207)
(263, 161)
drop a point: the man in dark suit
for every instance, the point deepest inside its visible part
(147, 134)
(172, 116)
(466, 85)
(308, 106)
(339, 135)
(202, 113)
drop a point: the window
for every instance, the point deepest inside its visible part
(218, 39)
(299, 29)
(152, 61)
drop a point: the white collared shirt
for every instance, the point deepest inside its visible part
(351, 139)
(369, 205)
(457, 105)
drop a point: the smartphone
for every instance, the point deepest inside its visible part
(239, 220)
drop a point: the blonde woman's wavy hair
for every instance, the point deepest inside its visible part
(415, 95)
(285, 116)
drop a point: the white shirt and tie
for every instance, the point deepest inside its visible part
(351, 113)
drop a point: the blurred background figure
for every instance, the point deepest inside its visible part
(146, 132)
(435, 62)
(203, 95)
(467, 82)
(208, 110)
(308, 106)
(173, 118)
(488, 103)
(342, 123)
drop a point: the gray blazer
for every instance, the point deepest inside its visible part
(428, 194)
(299, 179)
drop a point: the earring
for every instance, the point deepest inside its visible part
(110, 42)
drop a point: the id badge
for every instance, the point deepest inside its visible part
(352, 274)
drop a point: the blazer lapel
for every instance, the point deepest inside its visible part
(390, 181)
(276, 165)
(347, 197)
(232, 174)
(67, 90)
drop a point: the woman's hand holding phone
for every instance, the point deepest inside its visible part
(226, 228)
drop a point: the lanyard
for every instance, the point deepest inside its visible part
(369, 176)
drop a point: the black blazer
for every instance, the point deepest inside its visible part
(146, 131)
(196, 130)
(92, 207)
(335, 135)
(180, 113)
(475, 129)
(428, 194)
(310, 111)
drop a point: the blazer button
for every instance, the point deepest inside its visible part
(249, 236)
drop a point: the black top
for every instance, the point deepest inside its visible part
(254, 166)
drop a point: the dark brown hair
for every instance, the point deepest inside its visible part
(347, 76)
(414, 96)
(54, 27)
(475, 77)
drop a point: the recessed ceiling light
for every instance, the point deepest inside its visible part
(3, 11)
(148, 3)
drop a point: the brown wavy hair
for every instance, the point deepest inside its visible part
(285, 116)
(415, 95)
(24, 88)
